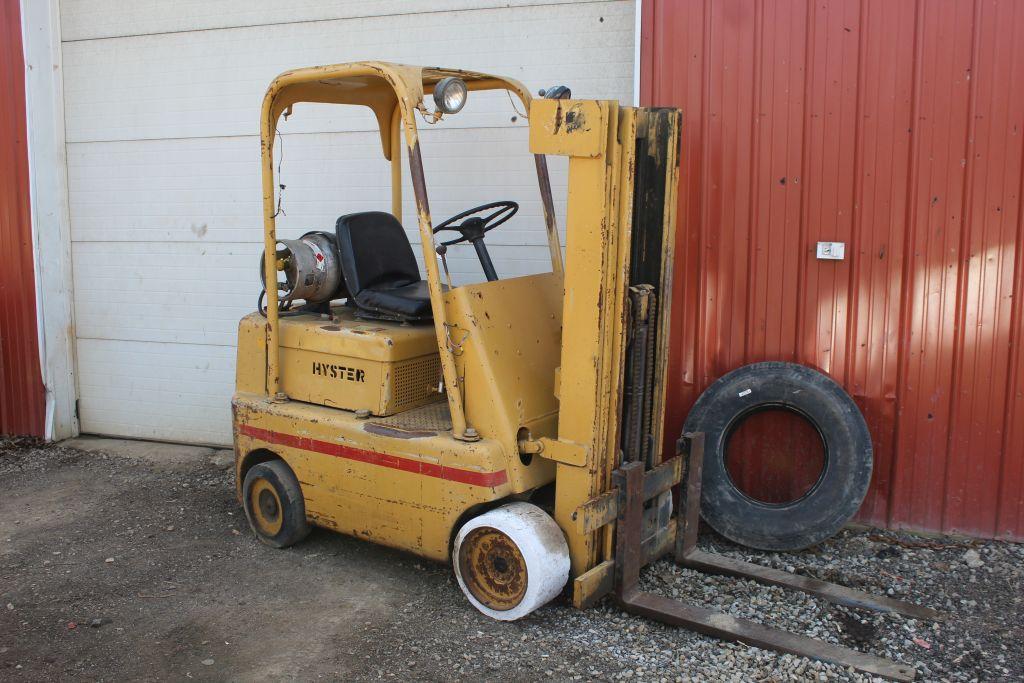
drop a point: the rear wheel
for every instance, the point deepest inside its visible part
(511, 560)
(273, 504)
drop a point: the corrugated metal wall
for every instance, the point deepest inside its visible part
(895, 127)
(22, 397)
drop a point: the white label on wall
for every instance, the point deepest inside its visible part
(832, 251)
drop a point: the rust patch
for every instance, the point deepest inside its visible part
(493, 568)
(544, 180)
(397, 432)
(558, 118)
(575, 119)
(419, 183)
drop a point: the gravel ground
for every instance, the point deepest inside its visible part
(115, 567)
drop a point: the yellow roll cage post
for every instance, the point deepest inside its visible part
(395, 94)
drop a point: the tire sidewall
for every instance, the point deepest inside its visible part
(838, 493)
(294, 526)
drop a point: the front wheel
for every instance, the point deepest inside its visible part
(511, 560)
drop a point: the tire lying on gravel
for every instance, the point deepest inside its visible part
(844, 479)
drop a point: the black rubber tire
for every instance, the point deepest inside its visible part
(294, 526)
(832, 500)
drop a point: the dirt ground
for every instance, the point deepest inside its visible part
(121, 566)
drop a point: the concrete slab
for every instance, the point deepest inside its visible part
(158, 453)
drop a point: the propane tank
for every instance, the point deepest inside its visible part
(311, 268)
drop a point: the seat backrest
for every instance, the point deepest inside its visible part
(375, 252)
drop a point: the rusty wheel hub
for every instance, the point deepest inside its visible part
(493, 568)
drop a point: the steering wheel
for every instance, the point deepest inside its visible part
(473, 229)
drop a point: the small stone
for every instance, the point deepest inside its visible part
(887, 553)
(973, 559)
(223, 459)
(10, 605)
(95, 623)
(109, 560)
(207, 662)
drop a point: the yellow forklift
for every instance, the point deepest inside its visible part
(511, 426)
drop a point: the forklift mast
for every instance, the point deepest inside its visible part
(620, 227)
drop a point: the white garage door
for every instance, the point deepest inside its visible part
(162, 114)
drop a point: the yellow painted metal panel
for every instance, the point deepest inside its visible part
(344, 335)
(587, 326)
(567, 452)
(251, 356)
(573, 128)
(508, 334)
(332, 380)
(403, 492)
(593, 585)
(345, 363)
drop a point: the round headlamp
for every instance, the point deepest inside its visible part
(450, 94)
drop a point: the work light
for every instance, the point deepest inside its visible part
(450, 95)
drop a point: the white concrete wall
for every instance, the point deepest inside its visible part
(162, 113)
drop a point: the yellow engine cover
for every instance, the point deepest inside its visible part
(341, 362)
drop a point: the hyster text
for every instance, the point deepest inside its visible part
(338, 372)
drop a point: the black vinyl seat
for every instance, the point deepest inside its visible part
(379, 268)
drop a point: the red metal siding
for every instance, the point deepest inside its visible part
(22, 397)
(895, 127)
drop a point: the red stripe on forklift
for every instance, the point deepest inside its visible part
(337, 450)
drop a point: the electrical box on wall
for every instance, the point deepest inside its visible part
(832, 251)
